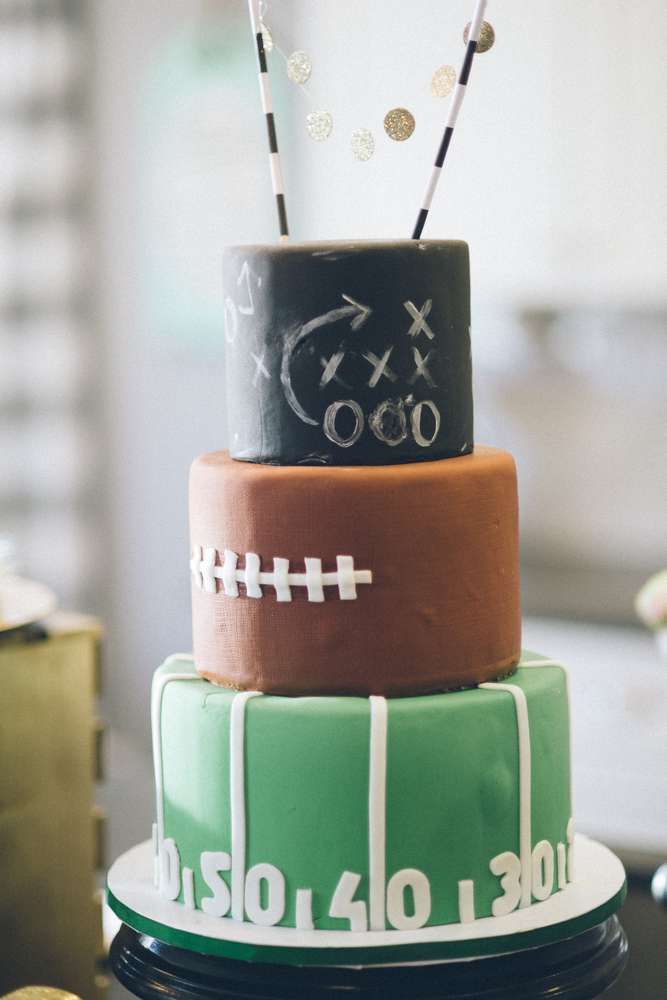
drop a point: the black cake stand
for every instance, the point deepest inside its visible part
(578, 968)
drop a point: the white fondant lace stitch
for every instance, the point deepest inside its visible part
(207, 568)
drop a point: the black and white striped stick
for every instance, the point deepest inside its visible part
(454, 108)
(267, 107)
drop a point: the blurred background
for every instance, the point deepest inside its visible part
(132, 149)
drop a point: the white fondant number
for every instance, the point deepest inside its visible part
(212, 863)
(269, 912)
(508, 868)
(543, 870)
(345, 906)
(416, 881)
(170, 869)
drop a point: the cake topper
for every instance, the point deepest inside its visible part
(399, 122)
(259, 30)
(319, 122)
(473, 32)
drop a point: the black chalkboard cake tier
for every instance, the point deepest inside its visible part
(348, 353)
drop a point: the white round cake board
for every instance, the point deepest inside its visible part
(596, 893)
(23, 602)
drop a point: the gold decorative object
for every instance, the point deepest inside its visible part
(299, 67)
(399, 124)
(362, 144)
(443, 80)
(319, 125)
(487, 36)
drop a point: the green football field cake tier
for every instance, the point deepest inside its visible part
(362, 814)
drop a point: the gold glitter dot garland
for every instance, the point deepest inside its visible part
(487, 36)
(362, 144)
(399, 124)
(443, 80)
(299, 67)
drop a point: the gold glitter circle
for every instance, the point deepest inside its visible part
(362, 143)
(299, 67)
(399, 124)
(442, 81)
(319, 125)
(487, 36)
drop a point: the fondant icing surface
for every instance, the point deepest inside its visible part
(361, 580)
(348, 353)
(362, 814)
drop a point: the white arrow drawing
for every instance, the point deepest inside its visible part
(359, 314)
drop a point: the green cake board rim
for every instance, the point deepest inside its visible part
(597, 893)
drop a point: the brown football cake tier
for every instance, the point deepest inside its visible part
(388, 580)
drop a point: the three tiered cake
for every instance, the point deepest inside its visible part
(358, 764)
